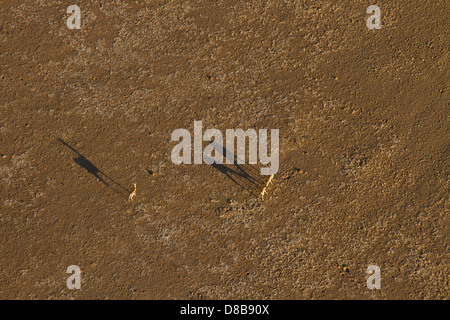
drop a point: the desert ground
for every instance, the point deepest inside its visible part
(363, 117)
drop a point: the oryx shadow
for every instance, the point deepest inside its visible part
(244, 175)
(97, 173)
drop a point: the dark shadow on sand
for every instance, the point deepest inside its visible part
(92, 169)
(244, 175)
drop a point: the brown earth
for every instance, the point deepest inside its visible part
(364, 149)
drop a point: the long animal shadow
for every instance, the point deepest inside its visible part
(244, 175)
(92, 169)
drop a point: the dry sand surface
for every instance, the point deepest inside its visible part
(364, 149)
